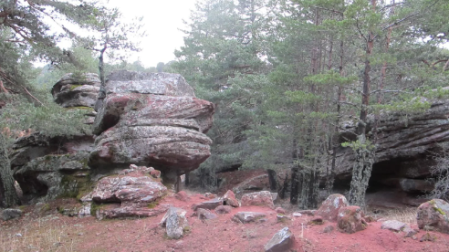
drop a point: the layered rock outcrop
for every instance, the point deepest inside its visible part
(151, 119)
(51, 166)
(56, 166)
(406, 147)
(76, 90)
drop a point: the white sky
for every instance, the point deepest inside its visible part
(162, 19)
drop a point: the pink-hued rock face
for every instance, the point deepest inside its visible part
(330, 207)
(151, 119)
(434, 215)
(351, 219)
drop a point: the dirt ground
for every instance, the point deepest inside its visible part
(45, 229)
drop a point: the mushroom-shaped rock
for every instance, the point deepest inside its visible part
(351, 219)
(330, 207)
(282, 241)
(175, 222)
(153, 119)
(262, 198)
(434, 215)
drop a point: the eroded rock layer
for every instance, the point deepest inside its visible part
(151, 119)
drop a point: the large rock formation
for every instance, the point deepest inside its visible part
(151, 119)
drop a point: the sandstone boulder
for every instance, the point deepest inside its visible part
(133, 193)
(152, 119)
(330, 208)
(128, 190)
(262, 198)
(351, 219)
(282, 241)
(434, 215)
(229, 199)
(10, 214)
(175, 222)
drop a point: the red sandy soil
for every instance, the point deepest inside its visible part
(221, 234)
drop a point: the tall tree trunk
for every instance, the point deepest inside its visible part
(364, 153)
(8, 194)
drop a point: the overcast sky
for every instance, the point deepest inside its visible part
(162, 19)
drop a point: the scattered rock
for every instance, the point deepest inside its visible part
(282, 218)
(211, 204)
(282, 241)
(182, 196)
(350, 219)
(328, 229)
(223, 209)
(280, 210)
(84, 211)
(434, 215)
(229, 199)
(209, 195)
(205, 214)
(262, 198)
(428, 237)
(409, 232)
(393, 225)
(175, 222)
(307, 212)
(296, 214)
(246, 217)
(318, 220)
(11, 213)
(329, 209)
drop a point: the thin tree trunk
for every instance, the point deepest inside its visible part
(8, 194)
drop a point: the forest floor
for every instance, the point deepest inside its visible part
(45, 229)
